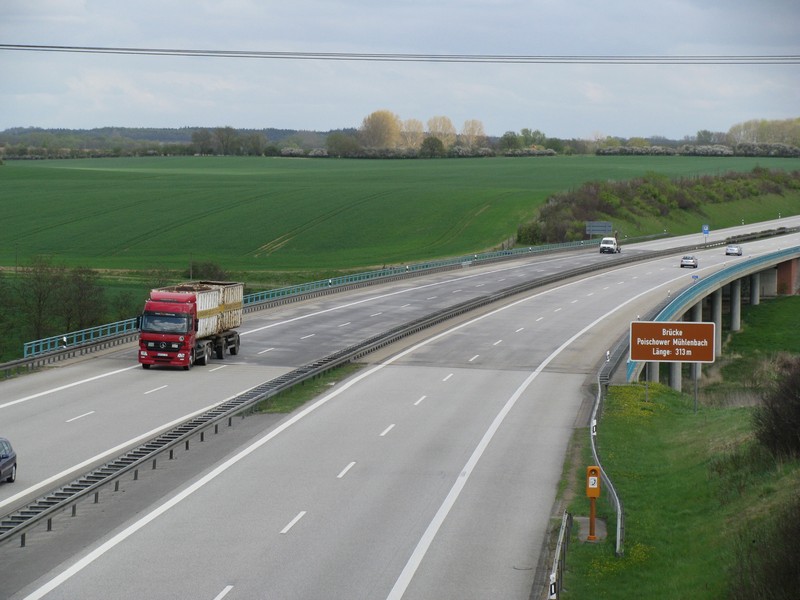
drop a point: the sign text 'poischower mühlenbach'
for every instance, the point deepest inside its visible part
(672, 341)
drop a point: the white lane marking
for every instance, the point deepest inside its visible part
(539, 319)
(455, 291)
(377, 314)
(217, 368)
(497, 342)
(310, 335)
(474, 358)
(426, 540)
(518, 330)
(432, 298)
(409, 570)
(224, 592)
(448, 377)
(345, 324)
(112, 451)
(558, 309)
(91, 412)
(66, 387)
(405, 306)
(155, 389)
(420, 400)
(395, 293)
(387, 430)
(573, 302)
(345, 470)
(267, 350)
(293, 522)
(590, 294)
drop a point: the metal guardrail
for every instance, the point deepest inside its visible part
(560, 557)
(256, 300)
(79, 338)
(665, 311)
(46, 507)
(54, 344)
(692, 294)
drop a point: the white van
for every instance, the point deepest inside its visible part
(609, 245)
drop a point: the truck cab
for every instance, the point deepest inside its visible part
(167, 331)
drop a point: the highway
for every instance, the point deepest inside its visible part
(429, 474)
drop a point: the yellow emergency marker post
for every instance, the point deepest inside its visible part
(592, 492)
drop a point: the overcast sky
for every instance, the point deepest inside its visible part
(70, 90)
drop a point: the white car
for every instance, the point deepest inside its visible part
(733, 250)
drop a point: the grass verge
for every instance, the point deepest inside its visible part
(295, 397)
(694, 486)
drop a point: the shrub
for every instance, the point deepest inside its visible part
(776, 422)
(767, 557)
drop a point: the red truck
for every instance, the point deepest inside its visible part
(185, 324)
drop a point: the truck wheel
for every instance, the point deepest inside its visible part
(206, 357)
(219, 350)
(235, 347)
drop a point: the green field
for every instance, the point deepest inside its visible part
(281, 214)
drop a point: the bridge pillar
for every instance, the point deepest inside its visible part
(675, 376)
(736, 305)
(652, 371)
(787, 276)
(755, 289)
(716, 316)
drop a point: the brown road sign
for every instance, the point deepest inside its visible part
(672, 341)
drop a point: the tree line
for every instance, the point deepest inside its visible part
(383, 134)
(44, 299)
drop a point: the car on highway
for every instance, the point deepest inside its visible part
(689, 261)
(8, 461)
(733, 250)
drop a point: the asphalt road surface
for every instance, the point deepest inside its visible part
(429, 474)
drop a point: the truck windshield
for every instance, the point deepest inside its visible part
(164, 323)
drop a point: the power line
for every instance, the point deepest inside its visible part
(673, 59)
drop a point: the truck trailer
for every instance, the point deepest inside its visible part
(186, 324)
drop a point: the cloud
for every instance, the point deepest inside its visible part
(561, 100)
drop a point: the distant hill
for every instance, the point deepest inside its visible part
(104, 138)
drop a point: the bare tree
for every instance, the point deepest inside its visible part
(226, 140)
(442, 128)
(412, 134)
(38, 292)
(472, 134)
(202, 142)
(254, 143)
(82, 300)
(380, 129)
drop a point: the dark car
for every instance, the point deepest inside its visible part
(8, 461)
